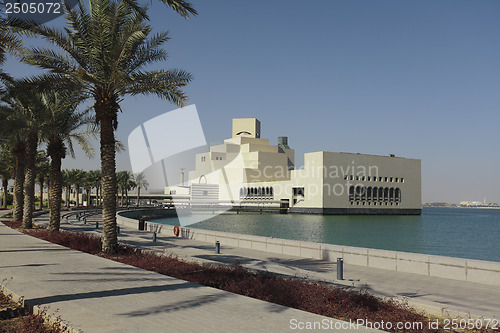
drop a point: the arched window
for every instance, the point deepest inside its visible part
(386, 193)
(380, 193)
(360, 191)
(391, 194)
(271, 192)
(369, 194)
(398, 194)
(351, 193)
(242, 192)
(375, 193)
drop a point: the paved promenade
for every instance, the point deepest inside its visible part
(434, 295)
(93, 294)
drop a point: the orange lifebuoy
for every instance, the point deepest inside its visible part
(177, 230)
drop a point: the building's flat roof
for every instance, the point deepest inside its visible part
(357, 154)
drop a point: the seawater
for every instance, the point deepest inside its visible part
(455, 232)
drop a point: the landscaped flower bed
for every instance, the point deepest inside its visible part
(15, 319)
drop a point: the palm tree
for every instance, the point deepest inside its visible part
(7, 163)
(12, 111)
(87, 185)
(94, 181)
(23, 108)
(29, 179)
(5, 176)
(19, 149)
(119, 187)
(125, 182)
(42, 171)
(61, 130)
(5, 184)
(141, 182)
(64, 182)
(68, 176)
(78, 179)
(104, 54)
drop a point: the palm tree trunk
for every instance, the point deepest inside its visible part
(29, 180)
(68, 190)
(97, 196)
(17, 213)
(41, 193)
(55, 193)
(138, 194)
(48, 197)
(5, 185)
(77, 195)
(108, 167)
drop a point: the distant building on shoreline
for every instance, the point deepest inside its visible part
(477, 204)
(247, 172)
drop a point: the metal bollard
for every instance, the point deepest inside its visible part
(154, 237)
(217, 247)
(340, 269)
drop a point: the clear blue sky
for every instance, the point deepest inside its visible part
(418, 79)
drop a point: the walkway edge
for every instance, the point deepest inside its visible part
(35, 309)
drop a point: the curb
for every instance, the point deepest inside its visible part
(37, 310)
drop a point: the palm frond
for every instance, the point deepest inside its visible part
(83, 142)
(164, 84)
(55, 82)
(49, 59)
(119, 146)
(182, 7)
(149, 52)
